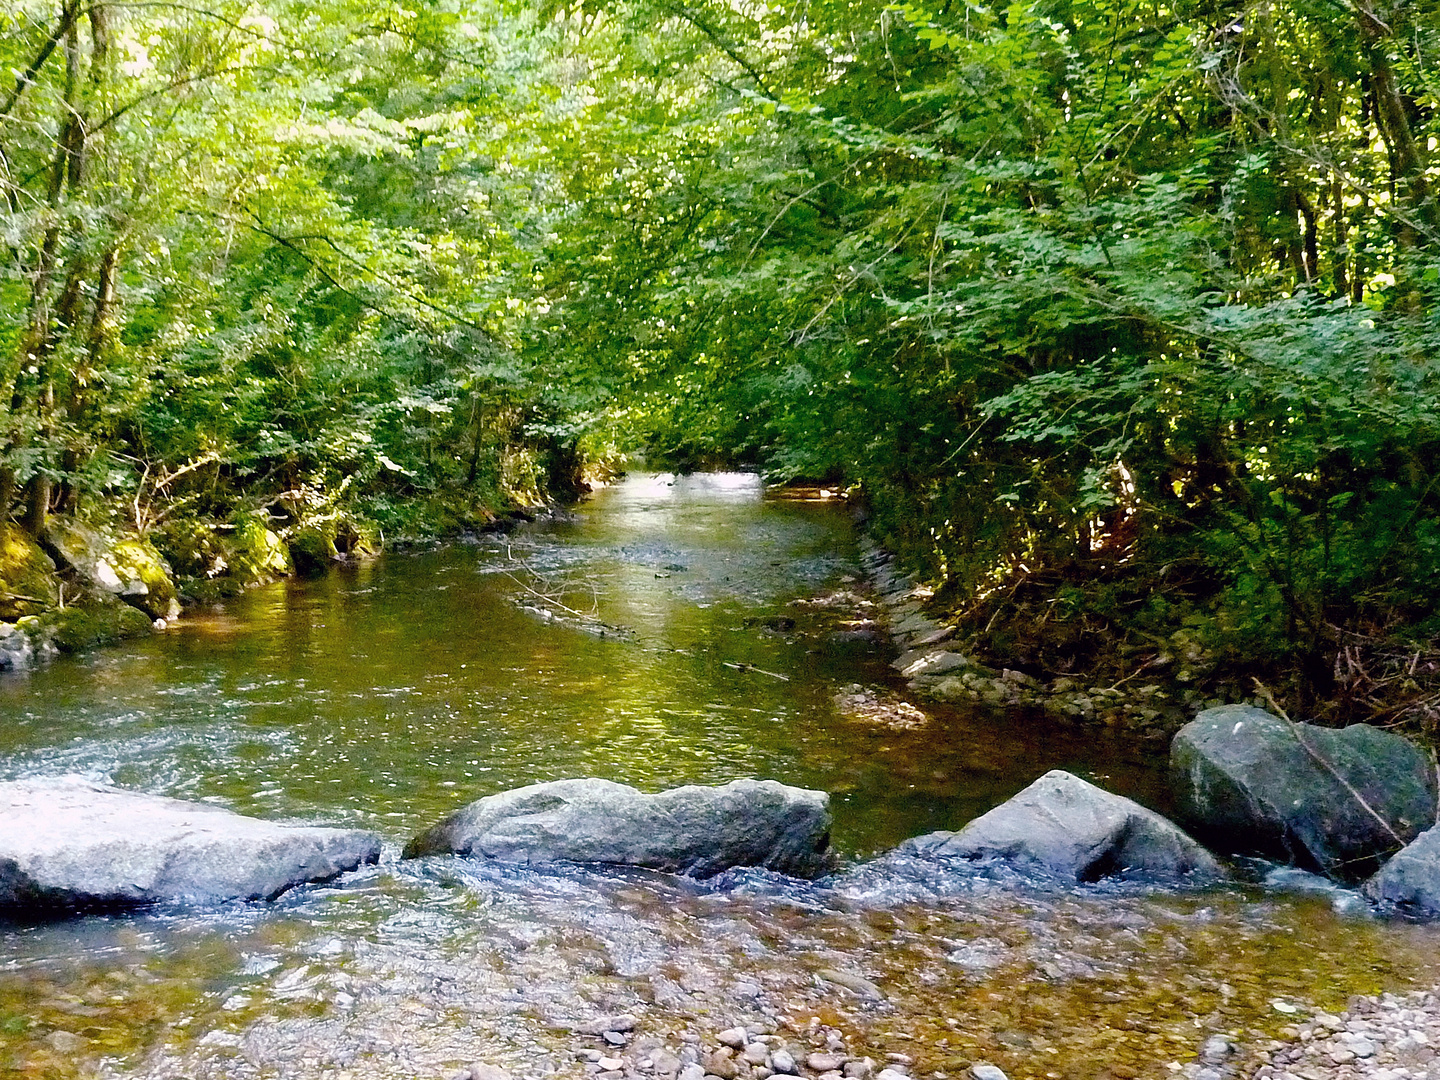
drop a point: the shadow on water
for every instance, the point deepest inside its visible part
(386, 695)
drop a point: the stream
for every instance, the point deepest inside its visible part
(386, 695)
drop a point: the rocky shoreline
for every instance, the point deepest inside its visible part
(935, 668)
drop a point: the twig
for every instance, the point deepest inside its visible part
(757, 670)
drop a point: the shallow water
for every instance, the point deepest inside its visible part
(387, 695)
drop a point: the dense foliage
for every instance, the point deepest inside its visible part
(1119, 315)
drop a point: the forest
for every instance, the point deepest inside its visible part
(1117, 319)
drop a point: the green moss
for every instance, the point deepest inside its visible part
(312, 550)
(75, 629)
(28, 584)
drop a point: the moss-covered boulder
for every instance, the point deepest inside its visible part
(312, 550)
(76, 629)
(130, 568)
(28, 584)
(255, 553)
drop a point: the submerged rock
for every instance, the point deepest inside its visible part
(692, 830)
(1336, 801)
(71, 845)
(1074, 829)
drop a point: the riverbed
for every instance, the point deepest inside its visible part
(650, 638)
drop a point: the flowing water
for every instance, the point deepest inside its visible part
(386, 695)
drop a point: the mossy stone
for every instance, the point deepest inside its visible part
(28, 584)
(77, 629)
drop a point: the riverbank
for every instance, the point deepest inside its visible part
(1147, 691)
(80, 586)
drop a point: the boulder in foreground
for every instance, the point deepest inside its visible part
(71, 845)
(1338, 801)
(1074, 829)
(692, 830)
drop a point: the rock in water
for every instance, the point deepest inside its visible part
(1412, 878)
(1074, 829)
(1336, 801)
(71, 845)
(692, 830)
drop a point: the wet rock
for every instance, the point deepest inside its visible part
(69, 844)
(1075, 829)
(721, 1063)
(76, 629)
(940, 662)
(1412, 878)
(756, 1053)
(692, 830)
(1336, 801)
(986, 1071)
(782, 1061)
(861, 986)
(622, 1023)
(17, 651)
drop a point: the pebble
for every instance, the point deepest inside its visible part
(609, 1063)
(614, 1038)
(782, 1061)
(734, 1038)
(755, 1053)
(986, 1071)
(823, 1063)
(892, 1074)
(859, 1070)
(691, 1072)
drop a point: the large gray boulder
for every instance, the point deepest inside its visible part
(1337, 801)
(1074, 829)
(71, 845)
(1411, 879)
(692, 830)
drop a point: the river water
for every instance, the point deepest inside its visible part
(386, 695)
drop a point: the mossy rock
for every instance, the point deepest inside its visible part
(76, 629)
(256, 554)
(312, 550)
(28, 584)
(130, 569)
(136, 560)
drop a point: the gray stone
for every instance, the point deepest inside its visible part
(892, 1074)
(69, 844)
(692, 830)
(614, 1038)
(692, 1072)
(1334, 800)
(821, 1063)
(721, 1063)
(782, 1061)
(1074, 829)
(858, 984)
(755, 1053)
(734, 1037)
(985, 1071)
(935, 663)
(1412, 878)
(482, 1071)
